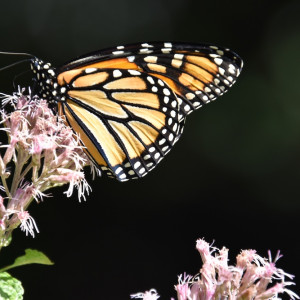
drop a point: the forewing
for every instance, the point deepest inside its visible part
(197, 73)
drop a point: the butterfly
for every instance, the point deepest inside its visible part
(129, 103)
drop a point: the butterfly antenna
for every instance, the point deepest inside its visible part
(17, 53)
(14, 64)
(18, 62)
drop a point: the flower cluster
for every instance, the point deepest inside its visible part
(249, 279)
(42, 152)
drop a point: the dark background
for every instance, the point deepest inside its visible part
(233, 177)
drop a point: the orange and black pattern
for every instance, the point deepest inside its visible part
(129, 103)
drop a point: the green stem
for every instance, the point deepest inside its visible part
(3, 179)
(27, 169)
(18, 176)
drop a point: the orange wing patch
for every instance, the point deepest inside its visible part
(190, 82)
(154, 117)
(198, 72)
(111, 148)
(133, 146)
(203, 62)
(127, 83)
(92, 150)
(90, 80)
(67, 76)
(157, 68)
(147, 99)
(98, 101)
(117, 63)
(147, 134)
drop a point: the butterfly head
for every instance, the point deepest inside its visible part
(46, 83)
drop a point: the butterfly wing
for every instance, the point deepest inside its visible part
(127, 119)
(197, 74)
(129, 103)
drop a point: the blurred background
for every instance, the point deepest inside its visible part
(233, 178)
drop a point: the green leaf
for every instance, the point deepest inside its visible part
(10, 287)
(31, 256)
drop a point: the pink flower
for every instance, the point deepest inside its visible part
(250, 278)
(148, 295)
(27, 223)
(182, 288)
(42, 152)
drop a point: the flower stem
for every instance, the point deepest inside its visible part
(27, 169)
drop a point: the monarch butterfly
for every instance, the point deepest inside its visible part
(129, 103)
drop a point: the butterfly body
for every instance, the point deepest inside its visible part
(129, 103)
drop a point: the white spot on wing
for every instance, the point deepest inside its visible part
(218, 61)
(186, 107)
(150, 59)
(117, 52)
(162, 141)
(221, 71)
(123, 176)
(160, 82)
(166, 92)
(134, 72)
(146, 50)
(146, 45)
(117, 73)
(90, 70)
(156, 155)
(190, 96)
(166, 50)
(137, 164)
(131, 58)
(150, 79)
(118, 170)
(142, 170)
(231, 69)
(178, 56)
